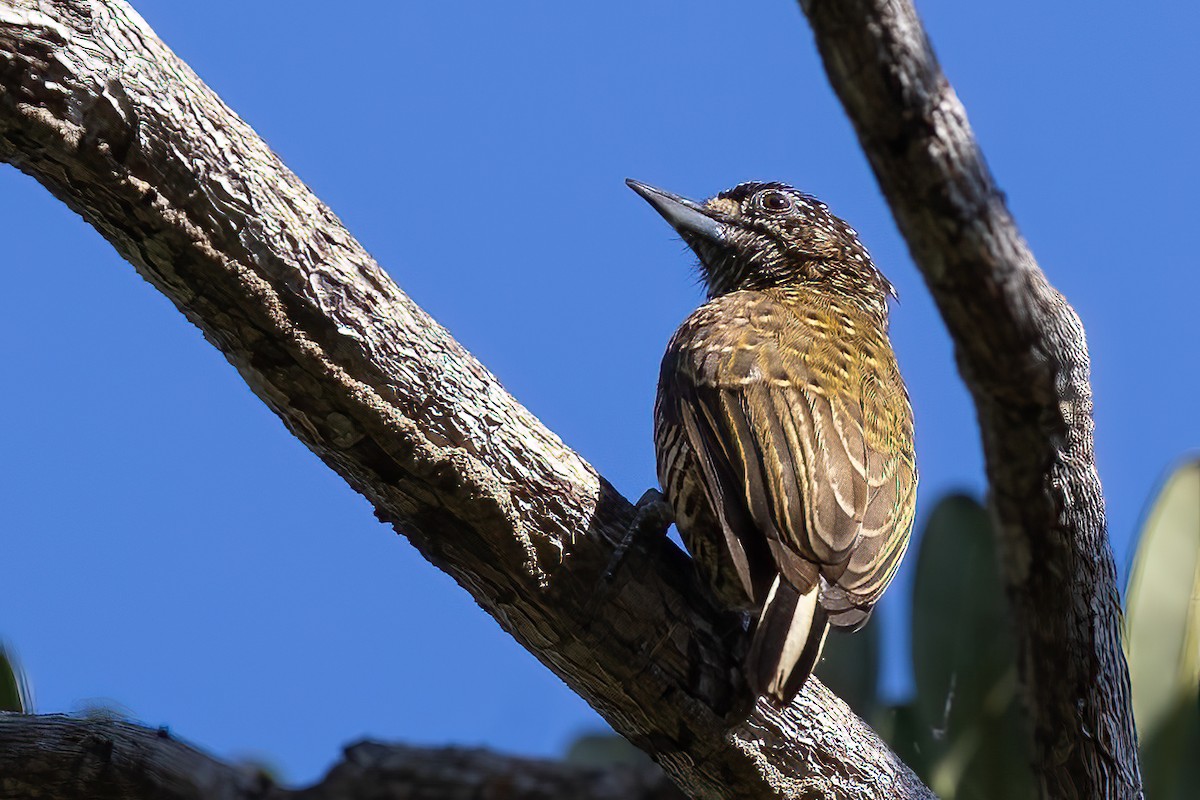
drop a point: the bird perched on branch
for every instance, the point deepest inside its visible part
(782, 429)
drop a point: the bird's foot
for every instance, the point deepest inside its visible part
(652, 516)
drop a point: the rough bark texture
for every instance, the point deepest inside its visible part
(64, 757)
(1021, 350)
(99, 111)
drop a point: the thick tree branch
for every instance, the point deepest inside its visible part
(98, 110)
(1022, 352)
(65, 757)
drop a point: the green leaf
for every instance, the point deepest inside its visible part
(1170, 768)
(14, 691)
(964, 660)
(1162, 627)
(604, 750)
(850, 668)
(901, 727)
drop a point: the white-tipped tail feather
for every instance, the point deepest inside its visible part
(786, 643)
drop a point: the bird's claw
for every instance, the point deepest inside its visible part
(652, 515)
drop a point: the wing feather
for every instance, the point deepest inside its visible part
(797, 454)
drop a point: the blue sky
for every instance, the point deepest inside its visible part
(169, 548)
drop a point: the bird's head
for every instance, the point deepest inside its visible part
(770, 235)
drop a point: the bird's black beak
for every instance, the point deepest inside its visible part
(687, 217)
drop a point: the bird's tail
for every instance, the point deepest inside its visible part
(786, 642)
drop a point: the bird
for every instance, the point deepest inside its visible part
(783, 431)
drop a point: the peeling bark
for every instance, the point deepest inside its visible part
(99, 111)
(1021, 350)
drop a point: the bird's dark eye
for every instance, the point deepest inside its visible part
(775, 201)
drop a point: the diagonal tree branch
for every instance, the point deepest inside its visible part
(64, 757)
(1021, 350)
(98, 110)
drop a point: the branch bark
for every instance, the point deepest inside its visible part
(99, 111)
(1021, 350)
(65, 757)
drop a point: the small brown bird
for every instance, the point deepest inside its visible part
(782, 428)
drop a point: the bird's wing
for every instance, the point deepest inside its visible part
(793, 444)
